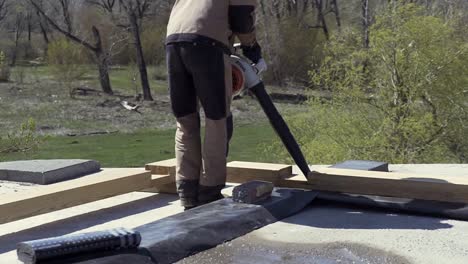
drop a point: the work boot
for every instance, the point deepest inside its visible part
(208, 194)
(188, 192)
(187, 208)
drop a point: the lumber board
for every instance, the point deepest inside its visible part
(169, 188)
(237, 171)
(45, 199)
(403, 185)
(162, 184)
(163, 167)
(240, 172)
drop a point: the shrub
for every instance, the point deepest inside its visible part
(153, 45)
(403, 100)
(66, 61)
(25, 140)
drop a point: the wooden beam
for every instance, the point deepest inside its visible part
(240, 172)
(45, 199)
(164, 167)
(403, 185)
(157, 180)
(237, 171)
(162, 184)
(169, 188)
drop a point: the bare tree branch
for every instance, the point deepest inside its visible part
(102, 57)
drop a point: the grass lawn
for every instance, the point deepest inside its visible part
(137, 149)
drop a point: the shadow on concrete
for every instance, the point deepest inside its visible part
(322, 214)
(80, 222)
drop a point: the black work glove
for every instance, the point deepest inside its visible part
(253, 53)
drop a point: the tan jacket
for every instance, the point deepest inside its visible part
(212, 22)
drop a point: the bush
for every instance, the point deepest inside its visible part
(66, 61)
(153, 45)
(4, 68)
(25, 140)
(403, 100)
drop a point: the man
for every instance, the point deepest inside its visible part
(199, 41)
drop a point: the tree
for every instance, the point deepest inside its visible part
(365, 22)
(19, 26)
(321, 22)
(3, 9)
(65, 27)
(136, 11)
(408, 106)
(43, 26)
(4, 68)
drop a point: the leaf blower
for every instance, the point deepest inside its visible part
(246, 76)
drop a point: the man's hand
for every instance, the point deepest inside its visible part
(253, 53)
(261, 66)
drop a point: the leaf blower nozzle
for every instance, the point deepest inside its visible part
(56, 250)
(246, 77)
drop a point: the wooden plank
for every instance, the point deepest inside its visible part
(237, 171)
(161, 184)
(157, 180)
(166, 184)
(45, 199)
(403, 185)
(169, 188)
(163, 167)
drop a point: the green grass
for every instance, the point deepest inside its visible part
(135, 150)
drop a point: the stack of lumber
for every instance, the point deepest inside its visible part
(392, 184)
(160, 177)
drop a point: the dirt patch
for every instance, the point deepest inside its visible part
(56, 113)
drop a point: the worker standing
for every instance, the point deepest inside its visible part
(199, 41)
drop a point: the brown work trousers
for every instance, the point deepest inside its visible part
(200, 74)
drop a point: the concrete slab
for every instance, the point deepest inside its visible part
(362, 165)
(327, 232)
(46, 171)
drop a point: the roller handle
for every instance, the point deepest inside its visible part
(57, 248)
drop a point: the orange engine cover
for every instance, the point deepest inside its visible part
(238, 80)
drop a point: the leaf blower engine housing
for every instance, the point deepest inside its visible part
(244, 74)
